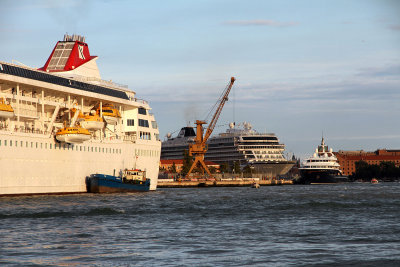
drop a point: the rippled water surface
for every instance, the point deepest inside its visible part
(324, 225)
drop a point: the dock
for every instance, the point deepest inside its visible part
(169, 183)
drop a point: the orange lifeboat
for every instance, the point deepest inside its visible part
(6, 111)
(73, 135)
(92, 122)
(110, 114)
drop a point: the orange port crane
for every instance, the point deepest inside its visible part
(199, 148)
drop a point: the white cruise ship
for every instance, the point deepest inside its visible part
(62, 122)
(240, 143)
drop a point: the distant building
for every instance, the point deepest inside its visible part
(166, 164)
(347, 159)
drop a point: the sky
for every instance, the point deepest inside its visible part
(303, 68)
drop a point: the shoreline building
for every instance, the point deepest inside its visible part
(347, 159)
(166, 164)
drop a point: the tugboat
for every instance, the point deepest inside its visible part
(321, 168)
(129, 181)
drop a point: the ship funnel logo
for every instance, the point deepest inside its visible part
(80, 51)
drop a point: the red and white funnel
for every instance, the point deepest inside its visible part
(72, 55)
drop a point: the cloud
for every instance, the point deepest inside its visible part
(354, 93)
(394, 27)
(392, 70)
(261, 22)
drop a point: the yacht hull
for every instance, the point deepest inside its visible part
(319, 177)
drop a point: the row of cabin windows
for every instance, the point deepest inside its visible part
(142, 123)
(320, 167)
(59, 146)
(260, 147)
(145, 136)
(146, 153)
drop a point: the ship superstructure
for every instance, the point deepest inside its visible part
(240, 143)
(68, 123)
(174, 147)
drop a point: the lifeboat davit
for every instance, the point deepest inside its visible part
(92, 122)
(80, 114)
(110, 114)
(6, 111)
(73, 135)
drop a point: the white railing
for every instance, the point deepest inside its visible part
(23, 130)
(27, 113)
(131, 138)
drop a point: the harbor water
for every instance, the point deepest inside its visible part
(316, 225)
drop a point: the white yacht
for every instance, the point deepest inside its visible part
(44, 145)
(240, 143)
(321, 167)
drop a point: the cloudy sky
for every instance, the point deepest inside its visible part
(304, 68)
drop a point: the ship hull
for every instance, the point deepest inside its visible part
(100, 183)
(319, 177)
(39, 165)
(273, 169)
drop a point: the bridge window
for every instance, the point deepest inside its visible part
(142, 111)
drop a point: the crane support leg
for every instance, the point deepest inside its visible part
(199, 159)
(205, 167)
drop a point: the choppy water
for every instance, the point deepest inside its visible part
(324, 225)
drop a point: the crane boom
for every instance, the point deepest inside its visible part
(199, 147)
(214, 120)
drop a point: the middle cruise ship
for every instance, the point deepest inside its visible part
(261, 151)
